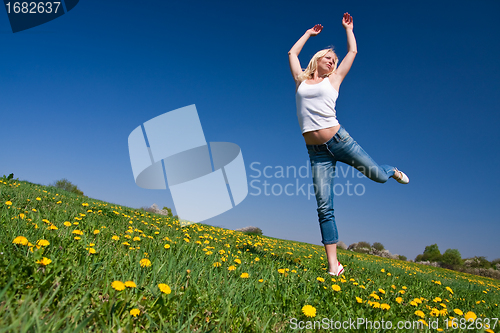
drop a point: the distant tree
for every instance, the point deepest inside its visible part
(432, 253)
(169, 211)
(420, 257)
(401, 257)
(378, 246)
(364, 245)
(452, 258)
(67, 186)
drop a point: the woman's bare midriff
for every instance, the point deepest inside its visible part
(320, 136)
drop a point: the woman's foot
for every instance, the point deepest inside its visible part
(340, 270)
(401, 177)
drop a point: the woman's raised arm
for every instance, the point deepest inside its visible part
(352, 49)
(293, 54)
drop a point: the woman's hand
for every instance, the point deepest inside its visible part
(315, 30)
(347, 21)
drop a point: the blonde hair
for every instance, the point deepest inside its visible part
(313, 64)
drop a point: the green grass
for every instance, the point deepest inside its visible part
(74, 291)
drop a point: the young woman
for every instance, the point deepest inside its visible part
(326, 140)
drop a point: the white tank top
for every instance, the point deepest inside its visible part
(316, 105)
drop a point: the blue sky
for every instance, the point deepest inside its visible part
(422, 95)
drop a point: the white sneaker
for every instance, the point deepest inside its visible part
(340, 270)
(404, 178)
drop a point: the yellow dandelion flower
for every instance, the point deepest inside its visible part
(77, 232)
(77, 238)
(244, 275)
(21, 240)
(164, 288)
(96, 231)
(126, 243)
(44, 261)
(375, 305)
(437, 299)
(382, 291)
(309, 310)
(281, 271)
(470, 315)
(261, 280)
(42, 242)
(130, 284)
(21, 216)
(359, 300)
(136, 239)
(336, 287)
(167, 246)
(413, 303)
(186, 240)
(115, 238)
(458, 312)
(135, 312)
(434, 312)
(443, 312)
(399, 299)
(222, 251)
(238, 261)
(449, 289)
(208, 253)
(8, 203)
(217, 264)
(92, 250)
(385, 306)
(52, 227)
(404, 287)
(231, 268)
(118, 285)
(423, 322)
(382, 270)
(38, 198)
(145, 262)
(374, 296)
(320, 279)
(420, 314)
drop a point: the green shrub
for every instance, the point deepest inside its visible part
(66, 185)
(401, 257)
(378, 246)
(452, 257)
(478, 262)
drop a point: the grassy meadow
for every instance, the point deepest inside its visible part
(70, 263)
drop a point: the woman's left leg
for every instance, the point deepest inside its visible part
(351, 153)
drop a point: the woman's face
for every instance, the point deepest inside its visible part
(325, 63)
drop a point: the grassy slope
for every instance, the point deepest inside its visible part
(204, 267)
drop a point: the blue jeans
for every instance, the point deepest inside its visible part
(341, 147)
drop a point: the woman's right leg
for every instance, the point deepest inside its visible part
(323, 171)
